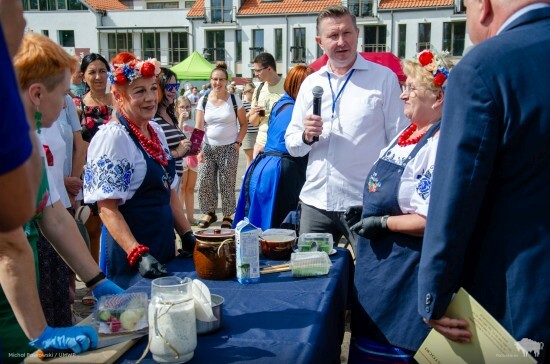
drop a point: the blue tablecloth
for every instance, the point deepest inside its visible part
(279, 320)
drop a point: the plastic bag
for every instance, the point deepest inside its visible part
(115, 314)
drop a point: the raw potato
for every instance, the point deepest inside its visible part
(130, 318)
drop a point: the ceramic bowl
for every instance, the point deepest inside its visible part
(277, 247)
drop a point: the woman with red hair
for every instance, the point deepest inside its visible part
(129, 173)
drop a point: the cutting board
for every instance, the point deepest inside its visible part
(106, 355)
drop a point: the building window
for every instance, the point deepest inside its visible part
(75, 5)
(163, 5)
(360, 8)
(215, 43)
(239, 45)
(119, 42)
(424, 35)
(453, 37)
(30, 4)
(178, 47)
(150, 45)
(402, 40)
(278, 45)
(298, 51)
(53, 5)
(460, 9)
(221, 11)
(66, 38)
(257, 43)
(375, 38)
(46, 33)
(188, 4)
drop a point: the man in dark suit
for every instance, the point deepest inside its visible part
(489, 228)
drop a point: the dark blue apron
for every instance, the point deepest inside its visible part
(149, 216)
(386, 272)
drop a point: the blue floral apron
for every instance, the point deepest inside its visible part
(149, 216)
(385, 294)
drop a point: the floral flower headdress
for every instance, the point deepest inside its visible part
(435, 64)
(126, 73)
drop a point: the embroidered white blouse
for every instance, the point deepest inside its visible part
(416, 180)
(115, 166)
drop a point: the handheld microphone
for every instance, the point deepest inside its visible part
(317, 94)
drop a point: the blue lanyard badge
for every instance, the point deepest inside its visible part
(335, 99)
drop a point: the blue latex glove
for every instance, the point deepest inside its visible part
(106, 287)
(76, 338)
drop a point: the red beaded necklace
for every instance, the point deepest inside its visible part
(152, 146)
(404, 137)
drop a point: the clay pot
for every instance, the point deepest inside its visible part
(214, 254)
(277, 247)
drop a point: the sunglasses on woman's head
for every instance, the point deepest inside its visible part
(172, 86)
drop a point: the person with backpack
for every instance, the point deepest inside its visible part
(218, 114)
(265, 96)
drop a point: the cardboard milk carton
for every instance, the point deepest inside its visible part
(248, 252)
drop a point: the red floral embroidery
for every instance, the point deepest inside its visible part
(89, 122)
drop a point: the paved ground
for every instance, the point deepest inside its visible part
(82, 311)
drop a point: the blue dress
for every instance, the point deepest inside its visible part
(273, 181)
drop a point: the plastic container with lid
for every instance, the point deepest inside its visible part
(313, 242)
(122, 313)
(309, 264)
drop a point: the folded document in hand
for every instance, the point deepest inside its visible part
(491, 343)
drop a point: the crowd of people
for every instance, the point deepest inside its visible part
(364, 165)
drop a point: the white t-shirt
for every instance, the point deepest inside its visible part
(115, 165)
(193, 97)
(54, 195)
(54, 140)
(416, 180)
(68, 123)
(220, 122)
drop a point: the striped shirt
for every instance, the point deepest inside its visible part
(173, 136)
(251, 128)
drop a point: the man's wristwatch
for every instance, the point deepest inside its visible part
(238, 143)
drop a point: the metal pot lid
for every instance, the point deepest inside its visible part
(214, 233)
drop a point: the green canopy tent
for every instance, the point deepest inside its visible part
(194, 67)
